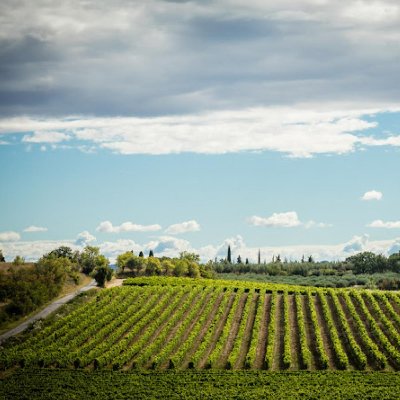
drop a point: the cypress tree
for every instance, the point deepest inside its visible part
(151, 254)
(229, 256)
(141, 254)
(259, 257)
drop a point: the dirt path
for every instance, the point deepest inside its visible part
(115, 282)
(310, 334)
(248, 332)
(278, 340)
(294, 334)
(46, 311)
(262, 340)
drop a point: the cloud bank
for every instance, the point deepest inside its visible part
(288, 219)
(108, 227)
(170, 246)
(295, 131)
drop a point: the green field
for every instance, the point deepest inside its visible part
(109, 385)
(165, 323)
(169, 337)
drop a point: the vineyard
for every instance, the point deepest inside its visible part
(163, 324)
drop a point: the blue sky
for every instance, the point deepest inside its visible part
(190, 126)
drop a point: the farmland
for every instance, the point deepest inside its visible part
(168, 323)
(49, 384)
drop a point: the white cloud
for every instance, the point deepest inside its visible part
(378, 223)
(169, 246)
(9, 236)
(284, 220)
(107, 226)
(84, 238)
(46, 137)
(372, 195)
(183, 227)
(288, 219)
(33, 229)
(356, 244)
(296, 131)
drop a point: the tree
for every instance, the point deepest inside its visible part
(62, 251)
(193, 270)
(367, 263)
(102, 270)
(181, 268)
(247, 261)
(153, 266)
(185, 255)
(136, 264)
(18, 260)
(141, 254)
(394, 262)
(310, 259)
(151, 254)
(278, 258)
(239, 259)
(229, 255)
(2, 259)
(87, 259)
(168, 267)
(259, 257)
(123, 259)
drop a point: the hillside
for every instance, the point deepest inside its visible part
(164, 323)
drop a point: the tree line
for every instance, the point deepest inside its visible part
(187, 264)
(24, 289)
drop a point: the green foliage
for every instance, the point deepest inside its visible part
(367, 262)
(52, 384)
(102, 271)
(18, 260)
(25, 289)
(87, 259)
(123, 259)
(178, 323)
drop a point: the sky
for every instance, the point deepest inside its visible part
(194, 125)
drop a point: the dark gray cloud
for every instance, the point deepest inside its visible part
(177, 57)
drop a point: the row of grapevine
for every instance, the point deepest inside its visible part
(215, 301)
(215, 354)
(377, 331)
(340, 354)
(205, 326)
(119, 353)
(234, 354)
(358, 357)
(196, 311)
(287, 354)
(224, 308)
(252, 353)
(305, 353)
(319, 345)
(269, 353)
(158, 343)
